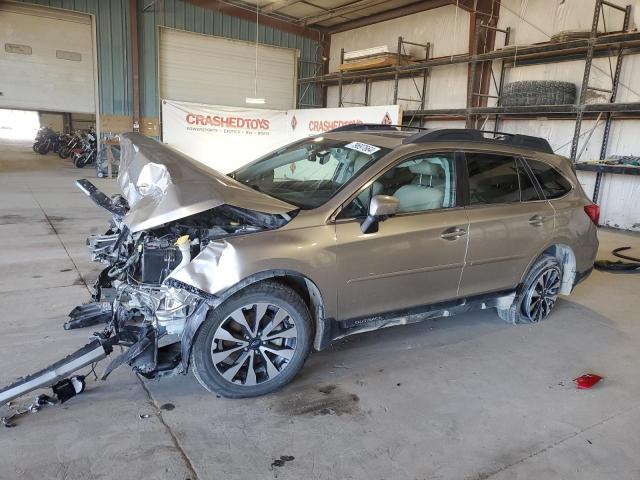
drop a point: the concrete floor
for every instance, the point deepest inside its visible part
(459, 398)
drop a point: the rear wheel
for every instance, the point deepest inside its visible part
(539, 293)
(254, 343)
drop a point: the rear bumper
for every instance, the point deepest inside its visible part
(582, 276)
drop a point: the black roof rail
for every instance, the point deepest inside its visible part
(471, 135)
(360, 127)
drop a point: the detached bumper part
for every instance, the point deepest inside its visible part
(134, 352)
(90, 353)
(89, 314)
(100, 199)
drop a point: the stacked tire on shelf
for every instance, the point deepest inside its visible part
(538, 92)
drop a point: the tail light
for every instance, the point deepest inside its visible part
(593, 212)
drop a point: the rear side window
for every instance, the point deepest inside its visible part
(528, 192)
(492, 179)
(553, 184)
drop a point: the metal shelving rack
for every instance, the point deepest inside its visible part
(396, 75)
(615, 81)
(617, 44)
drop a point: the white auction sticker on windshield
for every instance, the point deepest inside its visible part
(362, 147)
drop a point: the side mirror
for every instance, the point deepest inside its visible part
(381, 206)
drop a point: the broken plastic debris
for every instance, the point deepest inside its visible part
(39, 402)
(587, 381)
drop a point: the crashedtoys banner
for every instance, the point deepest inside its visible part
(226, 138)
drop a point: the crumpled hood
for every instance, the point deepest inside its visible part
(162, 185)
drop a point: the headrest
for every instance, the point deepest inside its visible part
(425, 167)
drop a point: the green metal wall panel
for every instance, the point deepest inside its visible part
(114, 50)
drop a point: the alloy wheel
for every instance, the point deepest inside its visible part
(542, 294)
(254, 344)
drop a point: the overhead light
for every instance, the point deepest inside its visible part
(255, 101)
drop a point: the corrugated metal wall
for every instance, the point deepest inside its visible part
(114, 65)
(185, 16)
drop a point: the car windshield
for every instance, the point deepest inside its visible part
(308, 173)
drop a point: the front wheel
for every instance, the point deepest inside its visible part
(80, 161)
(43, 148)
(539, 293)
(253, 343)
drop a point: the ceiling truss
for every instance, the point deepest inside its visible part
(317, 18)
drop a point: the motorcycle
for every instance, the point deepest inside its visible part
(46, 140)
(70, 144)
(85, 154)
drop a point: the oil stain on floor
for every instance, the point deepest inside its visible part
(323, 400)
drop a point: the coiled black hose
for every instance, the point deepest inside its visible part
(632, 266)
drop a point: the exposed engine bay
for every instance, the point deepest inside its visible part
(170, 212)
(147, 304)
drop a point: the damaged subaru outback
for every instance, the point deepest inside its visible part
(238, 277)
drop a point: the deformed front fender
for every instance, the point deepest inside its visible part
(226, 264)
(214, 269)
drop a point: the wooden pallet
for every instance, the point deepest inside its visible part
(378, 61)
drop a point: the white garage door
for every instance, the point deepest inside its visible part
(46, 59)
(220, 71)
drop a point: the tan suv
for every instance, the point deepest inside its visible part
(238, 276)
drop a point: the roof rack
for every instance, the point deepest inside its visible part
(359, 127)
(471, 135)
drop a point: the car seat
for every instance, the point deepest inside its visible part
(422, 194)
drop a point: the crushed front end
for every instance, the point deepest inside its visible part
(171, 211)
(148, 307)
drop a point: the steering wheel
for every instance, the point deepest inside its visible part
(360, 205)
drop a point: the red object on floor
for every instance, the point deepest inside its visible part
(587, 381)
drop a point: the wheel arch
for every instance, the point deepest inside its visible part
(301, 284)
(567, 259)
(298, 282)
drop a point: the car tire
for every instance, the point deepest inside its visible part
(229, 343)
(538, 294)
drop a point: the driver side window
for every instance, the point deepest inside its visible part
(422, 183)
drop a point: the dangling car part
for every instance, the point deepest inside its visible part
(93, 352)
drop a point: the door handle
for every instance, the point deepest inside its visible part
(453, 233)
(537, 220)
